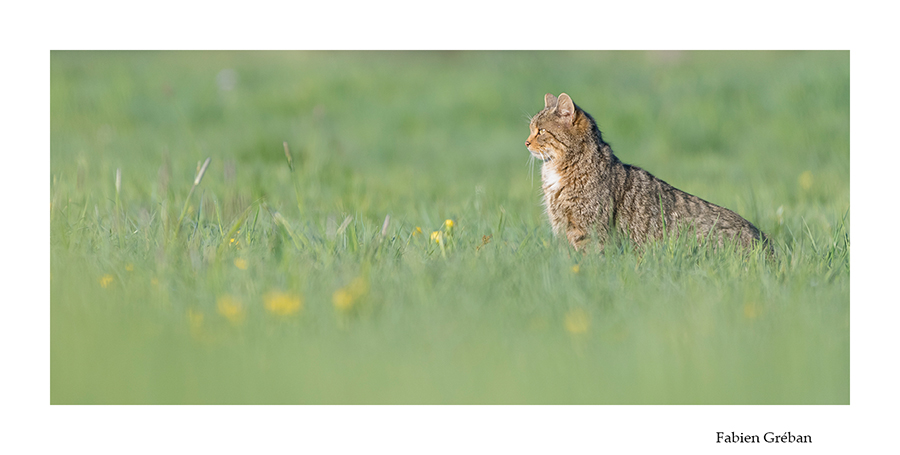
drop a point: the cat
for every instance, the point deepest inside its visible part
(587, 188)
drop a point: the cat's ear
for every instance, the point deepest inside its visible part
(565, 107)
(549, 100)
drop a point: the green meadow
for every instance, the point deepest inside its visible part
(398, 253)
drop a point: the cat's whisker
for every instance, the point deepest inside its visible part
(531, 172)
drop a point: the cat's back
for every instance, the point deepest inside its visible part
(648, 205)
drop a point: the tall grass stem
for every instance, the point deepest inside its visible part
(187, 200)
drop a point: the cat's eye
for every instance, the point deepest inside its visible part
(542, 131)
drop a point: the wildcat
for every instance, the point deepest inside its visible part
(585, 186)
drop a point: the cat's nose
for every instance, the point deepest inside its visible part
(527, 143)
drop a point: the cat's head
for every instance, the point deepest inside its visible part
(557, 127)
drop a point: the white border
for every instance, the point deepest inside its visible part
(33, 29)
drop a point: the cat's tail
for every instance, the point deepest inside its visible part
(766, 245)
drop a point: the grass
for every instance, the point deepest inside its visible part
(281, 282)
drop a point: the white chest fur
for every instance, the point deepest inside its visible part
(550, 178)
(552, 183)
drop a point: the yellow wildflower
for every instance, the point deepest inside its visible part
(195, 318)
(577, 321)
(105, 280)
(448, 224)
(437, 236)
(231, 308)
(154, 281)
(282, 303)
(575, 268)
(751, 310)
(416, 231)
(240, 263)
(344, 298)
(359, 286)
(129, 267)
(195, 323)
(805, 180)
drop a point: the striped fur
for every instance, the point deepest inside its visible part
(586, 188)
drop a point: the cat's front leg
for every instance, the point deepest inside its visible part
(578, 237)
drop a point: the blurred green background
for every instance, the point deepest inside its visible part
(277, 285)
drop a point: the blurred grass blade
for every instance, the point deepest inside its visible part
(202, 171)
(235, 227)
(340, 230)
(187, 200)
(287, 154)
(282, 222)
(119, 209)
(384, 227)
